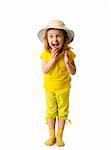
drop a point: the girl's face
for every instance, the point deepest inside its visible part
(55, 38)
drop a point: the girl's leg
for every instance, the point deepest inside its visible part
(51, 111)
(63, 106)
(61, 124)
(51, 125)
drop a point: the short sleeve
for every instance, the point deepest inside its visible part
(45, 55)
(72, 55)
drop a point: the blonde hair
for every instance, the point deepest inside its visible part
(65, 45)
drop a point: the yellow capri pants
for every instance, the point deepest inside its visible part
(57, 104)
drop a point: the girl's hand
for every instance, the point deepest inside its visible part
(71, 68)
(54, 53)
(66, 57)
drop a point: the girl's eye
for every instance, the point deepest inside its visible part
(51, 36)
(58, 36)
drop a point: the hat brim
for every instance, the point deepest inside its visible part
(70, 33)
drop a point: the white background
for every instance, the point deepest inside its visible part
(22, 101)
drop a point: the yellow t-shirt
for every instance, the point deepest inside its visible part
(57, 79)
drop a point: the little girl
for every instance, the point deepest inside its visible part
(57, 65)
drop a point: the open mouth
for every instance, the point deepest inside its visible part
(55, 45)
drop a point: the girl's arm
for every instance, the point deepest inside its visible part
(47, 66)
(71, 67)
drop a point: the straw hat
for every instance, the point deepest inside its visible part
(56, 24)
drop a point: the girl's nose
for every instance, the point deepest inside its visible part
(54, 38)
